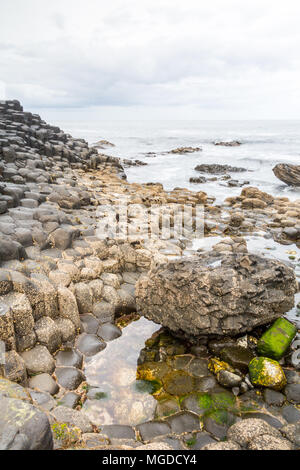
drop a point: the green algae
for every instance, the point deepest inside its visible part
(147, 386)
(224, 401)
(205, 401)
(276, 340)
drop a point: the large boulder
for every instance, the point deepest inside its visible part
(22, 425)
(216, 294)
(289, 174)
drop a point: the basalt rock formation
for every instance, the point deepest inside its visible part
(233, 143)
(218, 169)
(289, 174)
(229, 294)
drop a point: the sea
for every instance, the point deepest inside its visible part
(264, 144)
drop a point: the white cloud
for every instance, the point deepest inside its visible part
(233, 59)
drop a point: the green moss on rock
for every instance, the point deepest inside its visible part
(205, 401)
(266, 372)
(276, 340)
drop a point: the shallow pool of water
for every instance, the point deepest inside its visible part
(111, 375)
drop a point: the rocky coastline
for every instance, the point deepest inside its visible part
(65, 294)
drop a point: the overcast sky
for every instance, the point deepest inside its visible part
(152, 59)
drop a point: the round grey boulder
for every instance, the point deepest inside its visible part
(69, 377)
(23, 427)
(44, 383)
(89, 344)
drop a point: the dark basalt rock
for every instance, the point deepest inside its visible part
(23, 426)
(233, 143)
(69, 377)
(289, 174)
(221, 294)
(184, 150)
(218, 169)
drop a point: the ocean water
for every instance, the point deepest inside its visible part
(264, 144)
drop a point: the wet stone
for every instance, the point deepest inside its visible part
(291, 414)
(171, 441)
(228, 379)
(198, 403)
(204, 384)
(237, 357)
(153, 429)
(43, 399)
(89, 344)
(69, 377)
(69, 358)
(166, 408)
(178, 383)
(292, 377)
(109, 332)
(292, 392)
(184, 422)
(90, 324)
(115, 431)
(70, 400)
(272, 397)
(44, 383)
(215, 428)
(198, 441)
(198, 367)
(268, 418)
(180, 362)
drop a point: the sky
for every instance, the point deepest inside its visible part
(147, 59)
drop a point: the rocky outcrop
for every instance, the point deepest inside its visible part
(184, 150)
(218, 169)
(225, 294)
(233, 143)
(289, 174)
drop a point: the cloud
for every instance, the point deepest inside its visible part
(208, 55)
